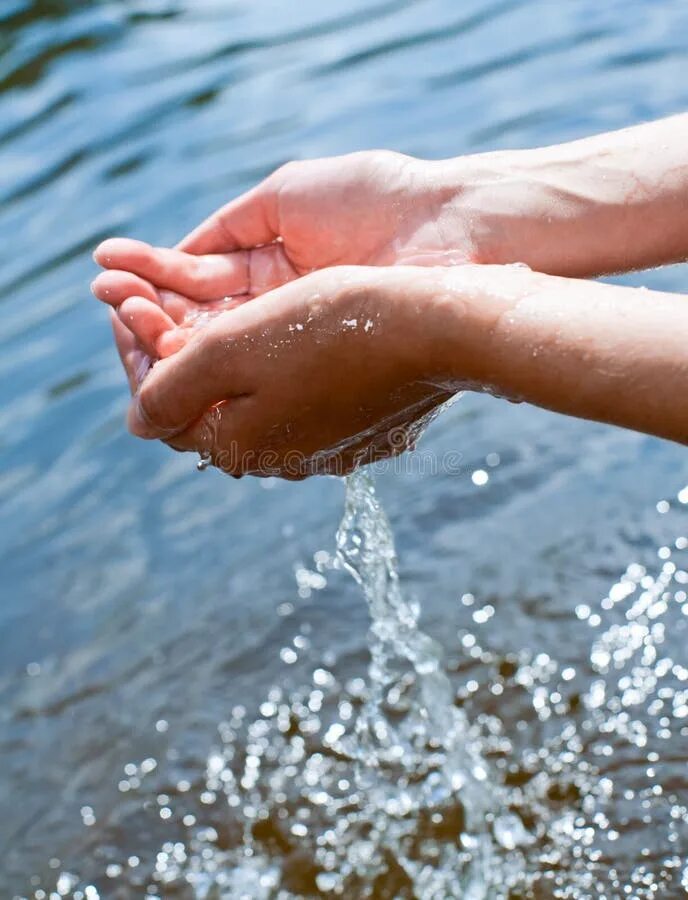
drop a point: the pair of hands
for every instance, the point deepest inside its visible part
(364, 314)
(333, 359)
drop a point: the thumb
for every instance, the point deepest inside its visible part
(249, 221)
(181, 388)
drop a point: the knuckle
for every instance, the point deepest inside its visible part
(283, 173)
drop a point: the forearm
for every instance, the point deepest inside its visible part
(610, 203)
(595, 351)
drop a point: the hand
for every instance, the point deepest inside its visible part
(371, 208)
(316, 376)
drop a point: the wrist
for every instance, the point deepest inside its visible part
(436, 319)
(562, 210)
(596, 206)
(470, 309)
(497, 208)
(519, 206)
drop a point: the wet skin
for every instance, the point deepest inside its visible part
(321, 248)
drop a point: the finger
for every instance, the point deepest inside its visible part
(136, 363)
(179, 307)
(207, 277)
(114, 286)
(180, 388)
(147, 321)
(249, 221)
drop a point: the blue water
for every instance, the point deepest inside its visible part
(136, 591)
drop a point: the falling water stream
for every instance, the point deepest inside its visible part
(414, 752)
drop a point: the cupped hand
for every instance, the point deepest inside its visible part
(315, 377)
(374, 208)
